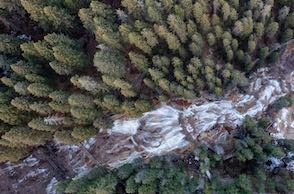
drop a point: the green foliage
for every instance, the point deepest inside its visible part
(60, 107)
(21, 88)
(183, 30)
(263, 52)
(65, 137)
(272, 29)
(22, 103)
(40, 48)
(178, 26)
(211, 39)
(254, 143)
(242, 184)
(287, 35)
(41, 107)
(59, 96)
(140, 61)
(10, 45)
(84, 114)
(171, 39)
(60, 39)
(57, 15)
(110, 62)
(75, 5)
(80, 100)
(9, 5)
(69, 56)
(39, 89)
(82, 133)
(28, 50)
(61, 68)
(11, 115)
(35, 78)
(273, 57)
(5, 62)
(126, 88)
(282, 102)
(63, 53)
(39, 124)
(13, 154)
(59, 101)
(60, 18)
(89, 84)
(27, 136)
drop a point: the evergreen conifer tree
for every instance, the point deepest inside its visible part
(22, 103)
(21, 88)
(27, 136)
(81, 100)
(41, 107)
(10, 44)
(39, 124)
(110, 62)
(11, 115)
(64, 137)
(82, 133)
(39, 89)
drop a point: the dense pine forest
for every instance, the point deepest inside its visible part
(68, 68)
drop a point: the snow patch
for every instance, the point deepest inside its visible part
(88, 143)
(290, 154)
(163, 125)
(53, 120)
(208, 115)
(172, 140)
(125, 126)
(76, 161)
(24, 37)
(33, 173)
(70, 148)
(274, 163)
(81, 170)
(129, 159)
(284, 124)
(28, 162)
(290, 165)
(50, 189)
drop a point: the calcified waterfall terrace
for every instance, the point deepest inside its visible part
(167, 129)
(172, 128)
